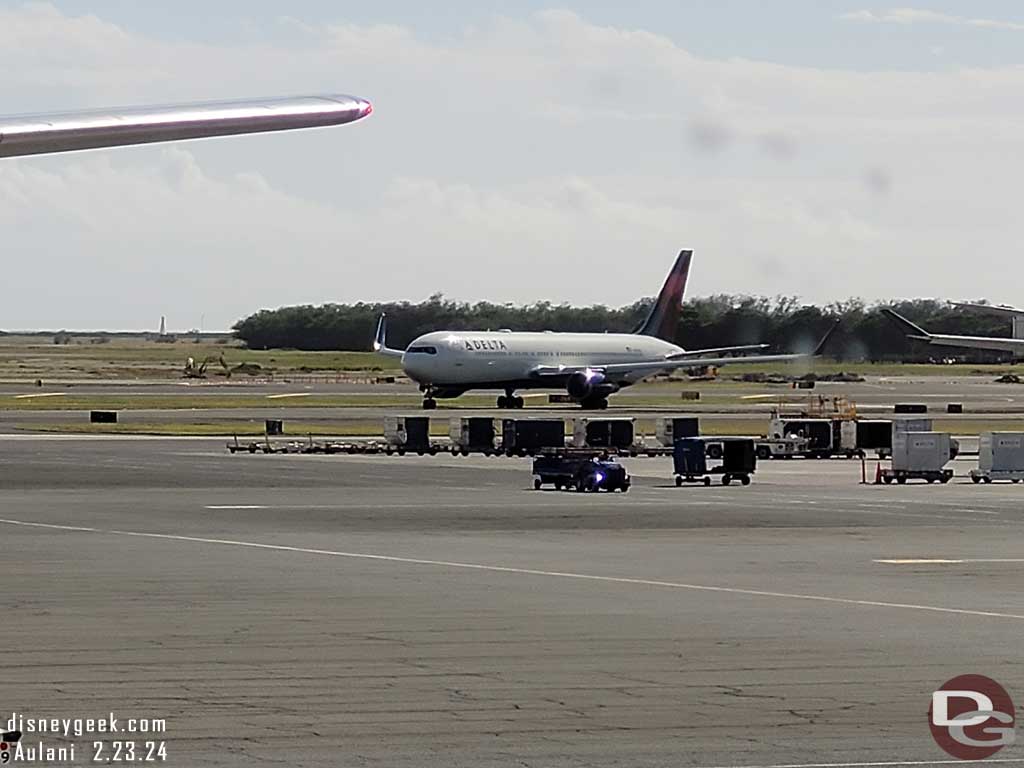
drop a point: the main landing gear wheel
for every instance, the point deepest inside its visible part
(600, 404)
(429, 404)
(510, 401)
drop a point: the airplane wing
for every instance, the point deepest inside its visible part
(71, 131)
(717, 351)
(989, 309)
(647, 368)
(916, 332)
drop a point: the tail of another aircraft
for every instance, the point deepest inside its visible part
(664, 316)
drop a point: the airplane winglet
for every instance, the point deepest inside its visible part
(912, 330)
(380, 343)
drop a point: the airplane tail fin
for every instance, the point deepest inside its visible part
(664, 316)
(820, 349)
(912, 330)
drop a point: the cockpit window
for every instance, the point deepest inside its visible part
(422, 350)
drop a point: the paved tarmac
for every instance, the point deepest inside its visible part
(373, 611)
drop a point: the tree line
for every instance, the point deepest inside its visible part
(864, 332)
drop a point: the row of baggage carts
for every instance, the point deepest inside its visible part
(584, 471)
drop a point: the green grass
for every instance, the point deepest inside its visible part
(33, 357)
(201, 401)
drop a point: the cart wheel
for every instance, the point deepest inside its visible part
(679, 481)
(764, 452)
(625, 488)
(975, 479)
(1015, 480)
(715, 451)
(887, 479)
(901, 480)
(536, 483)
(726, 479)
(988, 480)
(745, 480)
(944, 479)
(707, 481)
(578, 487)
(931, 480)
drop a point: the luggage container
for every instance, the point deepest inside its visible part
(910, 425)
(404, 434)
(1000, 457)
(921, 456)
(589, 432)
(525, 437)
(738, 460)
(690, 461)
(668, 429)
(844, 438)
(473, 434)
(875, 435)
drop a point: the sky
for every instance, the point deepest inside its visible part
(518, 152)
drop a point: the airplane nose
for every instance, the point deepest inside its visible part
(365, 108)
(414, 367)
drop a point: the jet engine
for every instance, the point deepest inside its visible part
(588, 384)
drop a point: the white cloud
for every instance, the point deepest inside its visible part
(921, 16)
(536, 158)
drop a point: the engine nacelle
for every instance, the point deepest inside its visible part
(584, 385)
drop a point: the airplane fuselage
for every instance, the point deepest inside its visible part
(452, 362)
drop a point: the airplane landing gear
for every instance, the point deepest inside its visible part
(594, 404)
(429, 404)
(509, 400)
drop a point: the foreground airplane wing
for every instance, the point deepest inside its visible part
(916, 332)
(71, 131)
(647, 368)
(990, 309)
(717, 351)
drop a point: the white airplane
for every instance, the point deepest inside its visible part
(71, 131)
(1013, 344)
(590, 366)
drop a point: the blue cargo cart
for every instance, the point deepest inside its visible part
(738, 460)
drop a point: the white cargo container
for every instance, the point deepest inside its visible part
(408, 433)
(668, 429)
(1000, 457)
(921, 456)
(921, 451)
(910, 425)
(472, 434)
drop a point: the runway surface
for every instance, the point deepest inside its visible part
(373, 611)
